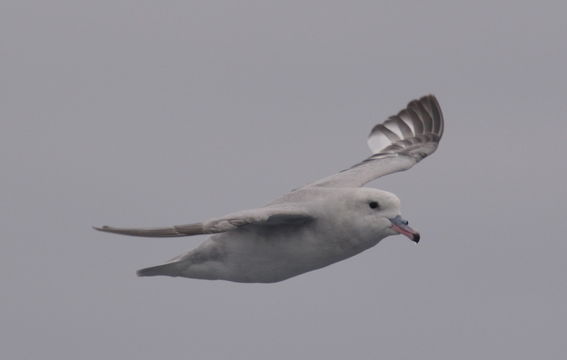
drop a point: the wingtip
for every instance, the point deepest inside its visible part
(429, 96)
(432, 99)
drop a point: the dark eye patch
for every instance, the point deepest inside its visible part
(373, 205)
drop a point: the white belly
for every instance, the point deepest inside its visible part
(262, 255)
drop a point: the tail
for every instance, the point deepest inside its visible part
(169, 269)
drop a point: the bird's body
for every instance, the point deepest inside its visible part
(316, 225)
(273, 253)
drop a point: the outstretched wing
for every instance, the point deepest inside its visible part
(268, 216)
(397, 144)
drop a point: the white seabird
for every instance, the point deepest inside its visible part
(316, 225)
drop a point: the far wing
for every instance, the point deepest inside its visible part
(397, 144)
(268, 216)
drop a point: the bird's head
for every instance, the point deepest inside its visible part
(377, 212)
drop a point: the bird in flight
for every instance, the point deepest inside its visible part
(313, 226)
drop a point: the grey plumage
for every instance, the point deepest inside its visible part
(171, 231)
(395, 147)
(268, 216)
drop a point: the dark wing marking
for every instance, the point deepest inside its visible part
(397, 144)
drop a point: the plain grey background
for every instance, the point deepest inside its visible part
(151, 113)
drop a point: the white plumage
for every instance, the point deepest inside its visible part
(313, 226)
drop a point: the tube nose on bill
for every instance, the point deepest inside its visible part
(401, 226)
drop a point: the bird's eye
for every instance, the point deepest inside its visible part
(373, 205)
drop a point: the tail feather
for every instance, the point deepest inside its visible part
(164, 270)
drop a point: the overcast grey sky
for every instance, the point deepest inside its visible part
(163, 112)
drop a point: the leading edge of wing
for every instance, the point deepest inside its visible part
(397, 144)
(169, 231)
(268, 216)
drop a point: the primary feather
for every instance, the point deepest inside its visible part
(397, 144)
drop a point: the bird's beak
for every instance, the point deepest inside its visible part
(401, 226)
